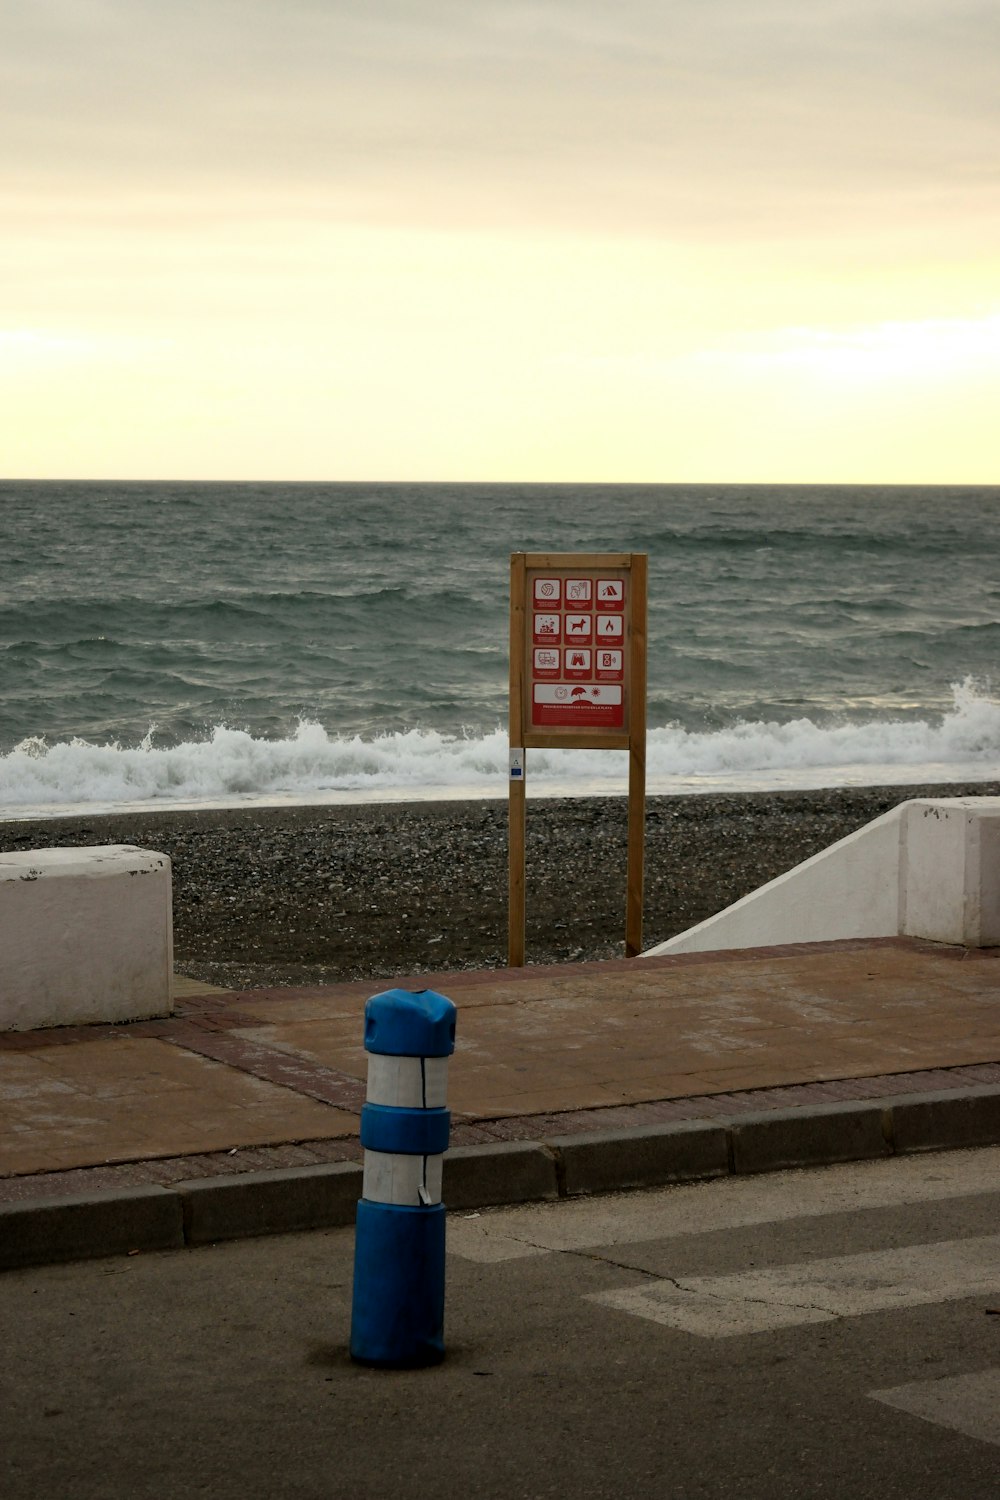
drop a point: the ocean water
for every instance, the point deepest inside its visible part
(165, 644)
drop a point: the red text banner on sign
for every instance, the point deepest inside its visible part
(580, 707)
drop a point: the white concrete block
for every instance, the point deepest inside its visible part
(935, 835)
(86, 935)
(953, 870)
(989, 879)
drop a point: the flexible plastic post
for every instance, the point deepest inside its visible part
(397, 1317)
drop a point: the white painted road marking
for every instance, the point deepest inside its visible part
(731, 1203)
(969, 1404)
(815, 1291)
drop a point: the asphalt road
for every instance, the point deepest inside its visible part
(826, 1333)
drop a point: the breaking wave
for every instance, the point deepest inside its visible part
(231, 766)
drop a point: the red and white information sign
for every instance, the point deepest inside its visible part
(579, 593)
(547, 663)
(576, 651)
(579, 629)
(610, 593)
(547, 593)
(610, 666)
(578, 663)
(577, 681)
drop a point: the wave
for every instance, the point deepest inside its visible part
(312, 765)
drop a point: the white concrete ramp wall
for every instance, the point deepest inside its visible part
(930, 869)
(85, 935)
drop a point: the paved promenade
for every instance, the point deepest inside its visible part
(239, 1114)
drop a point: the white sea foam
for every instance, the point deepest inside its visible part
(312, 765)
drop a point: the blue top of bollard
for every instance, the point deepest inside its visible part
(410, 1023)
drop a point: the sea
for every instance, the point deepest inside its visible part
(187, 645)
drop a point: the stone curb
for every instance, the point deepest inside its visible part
(275, 1202)
(78, 1228)
(643, 1156)
(505, 1172)
(950, 1118)
(207, 1210)
(825, 1133)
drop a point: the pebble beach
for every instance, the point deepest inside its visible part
(267, 896)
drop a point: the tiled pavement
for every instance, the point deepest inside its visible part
(239, 1082)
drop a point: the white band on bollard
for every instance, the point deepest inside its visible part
(408, 1082)
(405, 1181)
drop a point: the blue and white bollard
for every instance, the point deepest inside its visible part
(397, 1316)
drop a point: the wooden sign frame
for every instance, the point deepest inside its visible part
(577, 681)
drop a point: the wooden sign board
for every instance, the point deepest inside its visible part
(577, 681)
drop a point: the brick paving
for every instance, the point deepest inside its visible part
(236, 1082)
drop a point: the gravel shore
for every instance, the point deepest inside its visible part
(307, 895)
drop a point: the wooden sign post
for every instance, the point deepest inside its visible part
(577, 682)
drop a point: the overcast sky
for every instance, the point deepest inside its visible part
(694, 239)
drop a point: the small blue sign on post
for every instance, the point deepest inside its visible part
(397, 1315)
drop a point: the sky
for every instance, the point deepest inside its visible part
(574, 240)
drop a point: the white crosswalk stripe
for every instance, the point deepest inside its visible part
(969, 1404)
(815, 1291)
(628, 1219)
